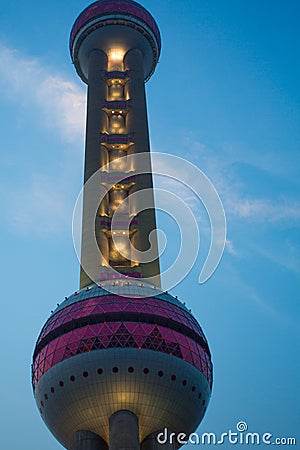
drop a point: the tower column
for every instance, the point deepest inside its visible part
(96, 117)
(152, 443)
(123, 431)
(86, 440)
(96, 123)
(137, 122)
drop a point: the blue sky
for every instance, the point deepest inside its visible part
(225, 96)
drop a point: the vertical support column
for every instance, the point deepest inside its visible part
(123, 431)
(96, 123)
(86, 440)
(96, 118)
(137, 122)
(164, 443)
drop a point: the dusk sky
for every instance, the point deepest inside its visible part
(226, 97)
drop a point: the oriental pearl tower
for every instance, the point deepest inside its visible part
(119, 360)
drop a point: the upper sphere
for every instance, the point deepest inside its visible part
(106, 24)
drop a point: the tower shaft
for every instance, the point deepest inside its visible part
(86, 440)
(117, 126)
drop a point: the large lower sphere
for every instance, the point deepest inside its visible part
(104, 351)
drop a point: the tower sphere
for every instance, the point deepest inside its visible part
(114, 26)
(102, 352)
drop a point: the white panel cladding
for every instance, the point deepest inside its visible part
(158, 399)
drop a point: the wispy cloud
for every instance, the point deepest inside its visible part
(41, 201)
(233, 281)
(240, 208)
(262, 210)
(284, 254)
(41, 208)
(230, 247)
(237, 204)
(60, 102)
